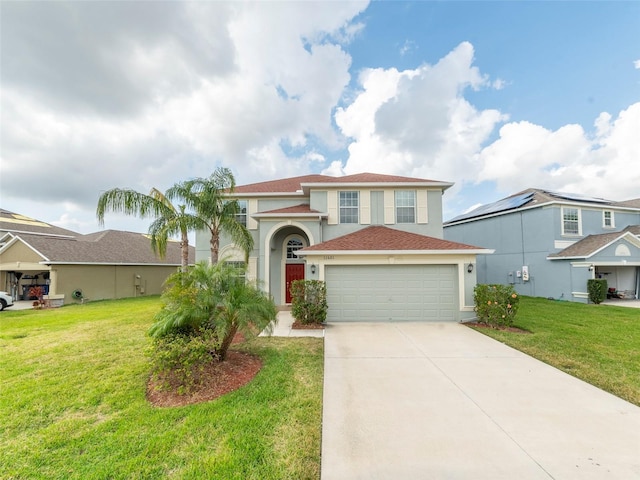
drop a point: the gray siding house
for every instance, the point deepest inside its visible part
(548, 244)
(376, 240)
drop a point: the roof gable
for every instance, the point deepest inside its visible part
(301, 184)
(380, 238)
(593, 244)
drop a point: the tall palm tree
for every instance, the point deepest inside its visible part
(217, 211)
(169, 220)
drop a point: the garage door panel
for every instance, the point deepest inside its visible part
(391, 292)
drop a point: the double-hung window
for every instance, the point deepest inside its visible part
(405, 206)
(349, 206)
(570, 221)
(241, 216)
(608, 219)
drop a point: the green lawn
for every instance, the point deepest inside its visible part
(72, 404)
(597, 343)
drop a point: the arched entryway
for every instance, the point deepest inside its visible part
(281, 243)
(293, 266)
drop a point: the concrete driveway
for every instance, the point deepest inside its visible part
(440, 401)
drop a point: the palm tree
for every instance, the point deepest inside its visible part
(216, 210)
(214, 298)
(169, 219)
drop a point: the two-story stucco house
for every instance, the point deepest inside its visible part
(548, 244)
(376, 240)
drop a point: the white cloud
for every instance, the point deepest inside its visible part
(568, 159)
(636, 64)
(99, 100)
(417, 122)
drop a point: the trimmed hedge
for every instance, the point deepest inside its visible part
(597, 289)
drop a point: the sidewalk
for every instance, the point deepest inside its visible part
(283, 328)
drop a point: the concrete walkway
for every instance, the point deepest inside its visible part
(440, 401)
(283, 328)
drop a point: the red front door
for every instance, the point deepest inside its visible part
(294, 271)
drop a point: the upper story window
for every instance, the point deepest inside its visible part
(405, 206)
(349, 207)
(294, 245)
(241, 217)
(608, 220)
(570, 221)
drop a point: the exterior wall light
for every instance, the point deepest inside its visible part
(313, 269)
(470, 268)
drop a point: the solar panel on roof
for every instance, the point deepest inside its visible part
(577, 197)
(499, 206)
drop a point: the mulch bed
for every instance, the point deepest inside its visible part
(504, 329)
(307, 326)
(217, 379)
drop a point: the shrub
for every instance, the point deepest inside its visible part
(597, 289)
(216, 298)
(309, 301)
(496, 305)
(178, 360)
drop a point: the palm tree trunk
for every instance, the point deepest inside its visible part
(184, 246)
(215, 245)
(226, 343)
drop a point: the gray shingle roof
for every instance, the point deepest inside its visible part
(379, 238)
(14, 222)
(592, 243)
(535, 196)
(107, 247)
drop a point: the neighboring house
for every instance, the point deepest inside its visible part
(101, 265)
(376, 240)
(548, 244)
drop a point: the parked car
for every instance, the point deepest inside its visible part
(5, 300)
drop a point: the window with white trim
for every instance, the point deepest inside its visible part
(294, 245)
(240, 268)
(349, 206)
(570, 221)
(241, 216)
(608, 220)
(405, 206)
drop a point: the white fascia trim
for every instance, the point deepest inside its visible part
(289, 215)
(394, 252)
(530, 207)
(496, 214)
(248, 195)
(359, 185)
(40, 234)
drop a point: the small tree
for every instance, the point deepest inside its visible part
(597, 289)
(496, 305)
(213, 298)
(309, 301)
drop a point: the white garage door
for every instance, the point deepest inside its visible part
(376, 293)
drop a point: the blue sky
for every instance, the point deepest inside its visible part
(494, 96)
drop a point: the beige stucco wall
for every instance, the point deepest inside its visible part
(99, 282)
(19, 252)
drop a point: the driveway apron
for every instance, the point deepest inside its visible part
(441, 401)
